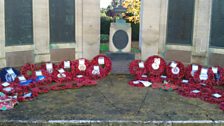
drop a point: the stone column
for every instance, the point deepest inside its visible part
(91, 28)
(78, 28)
(201, 32)
(2, 34)
(163, 27)
(41, 30)
(150, 27)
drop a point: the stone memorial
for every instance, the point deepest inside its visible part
(120, 42)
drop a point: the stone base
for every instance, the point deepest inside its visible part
(120, 62)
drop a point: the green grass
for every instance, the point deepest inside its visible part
(104, 47)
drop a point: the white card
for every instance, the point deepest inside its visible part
(79, 76)
(185, 81)
(203, 77)
(67, 64)
(141, 65)
(204, 71)
(81, 62)
(27, 95)
(49, 66)
(173, 64)
(195, 91)
(101, 61)
(61, 75)
(216, 95)
(203, 84)
(8, 89)
(38, 73)
(163, 76)
(10, 71)
(5, 84)
(194, 67)
(144, 76)
(97, 68)
(135, 82)
(146, 83)
(22, 78)
(215, 70)
(61, 70)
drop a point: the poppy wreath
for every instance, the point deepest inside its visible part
(27, 70)
(221, 106)
(135, 83)
(80, 70)
(27, 95)
(214, 96)
(205, 93)
(66, 65)
(156, 66)
(190, 90)
(49, 67)
(8, 88)
(103, 61)
(217, 75)
(96, 72)
(143, 77)
(42, 77)
(64, 86)
(25, 84)
(60, 76)
(189, 72)
(198, 76)
(175, 72)
(137, 68)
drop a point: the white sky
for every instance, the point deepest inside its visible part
(104, 3)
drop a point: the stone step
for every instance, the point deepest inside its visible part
(120, 67)
(120, 62)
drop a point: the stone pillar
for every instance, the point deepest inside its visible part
(91, 28)
(2, 34)
(78, 28)
(41, 30)
(201, 31)
(163, 27)
(150, 21)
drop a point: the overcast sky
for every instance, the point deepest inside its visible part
(104, 3)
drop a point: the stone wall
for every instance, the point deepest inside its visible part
(154, 29)
(87, 36)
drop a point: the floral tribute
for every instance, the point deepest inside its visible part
(192, 81)
(34, 79)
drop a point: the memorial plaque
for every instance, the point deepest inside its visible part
(217, 24)
(180, 21)
(62, 21)
(18, 22)
(120, 39)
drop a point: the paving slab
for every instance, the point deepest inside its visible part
(112, 102)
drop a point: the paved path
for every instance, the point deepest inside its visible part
(113, 99)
